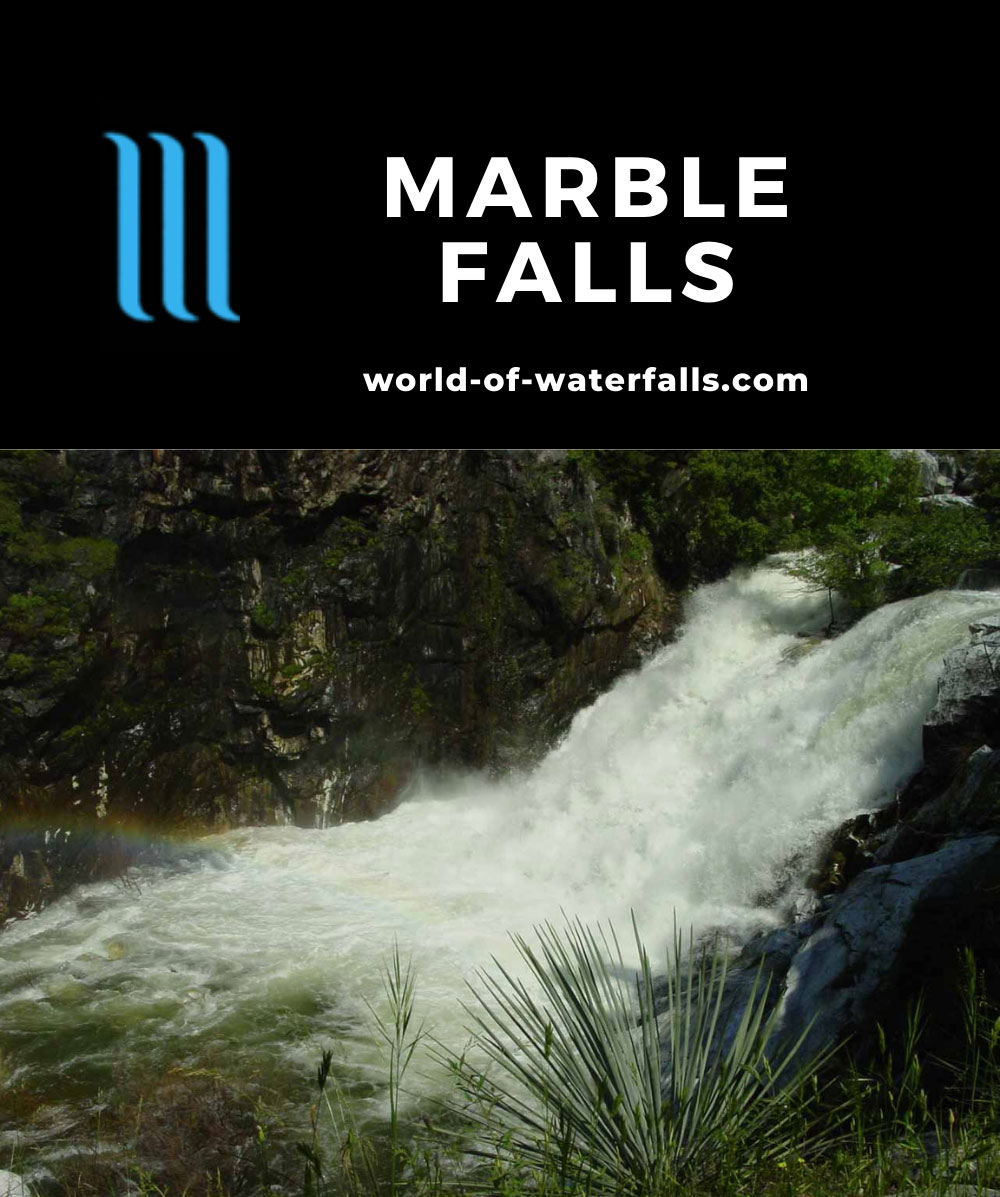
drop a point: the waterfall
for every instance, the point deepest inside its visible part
(698, 784)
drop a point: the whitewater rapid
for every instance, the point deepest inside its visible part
(697, 784)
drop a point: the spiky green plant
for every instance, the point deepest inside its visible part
(581, 1084)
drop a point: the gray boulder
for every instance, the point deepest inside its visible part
(852, 966)
(929, 472)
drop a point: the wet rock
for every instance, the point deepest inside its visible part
(967, 711)
(851, 850)
(978, 579)
(971, 803)
(882, 937)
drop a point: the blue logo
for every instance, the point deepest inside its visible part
(217, 210)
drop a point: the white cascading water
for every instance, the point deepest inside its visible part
(688, 787)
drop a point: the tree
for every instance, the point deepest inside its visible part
(850, 563)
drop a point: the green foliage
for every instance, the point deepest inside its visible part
(265, 619)
(579, 1078)
(87, 558)
(584, 1101)
(44, 613)
(740, 507)
(928, 548)
(850, 563)
(295, 581)
(420, 701)
(399, 985)
(361, 1171)
(979, 1077)
(833, 491)
(10, 516)
(17, 665)
(872, 1130)
(571, 580)
(631, 476)
(42, 549)
(346, 536)
(748, 503)
(856, 512)
(637, 548)
(35, 476)
(936, 544)
(988, 484)
(47, 594)
(710, 509)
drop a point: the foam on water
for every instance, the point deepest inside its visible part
(690, 786)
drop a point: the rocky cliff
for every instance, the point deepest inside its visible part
(214, 638)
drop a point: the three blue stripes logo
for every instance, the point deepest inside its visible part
(129, 247)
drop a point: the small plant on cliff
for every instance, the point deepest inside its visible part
(17, 665)
(265, 619)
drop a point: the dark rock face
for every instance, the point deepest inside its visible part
(218, 638)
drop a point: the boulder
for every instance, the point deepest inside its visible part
(893, 930)
(928, 465)
(967, 711)
(971, 803)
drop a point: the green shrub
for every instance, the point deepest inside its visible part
(580, 1084)
(17, 665)
(936, 544)
(708, 510)
(265, 619)
(988, 484)
(851, 564)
